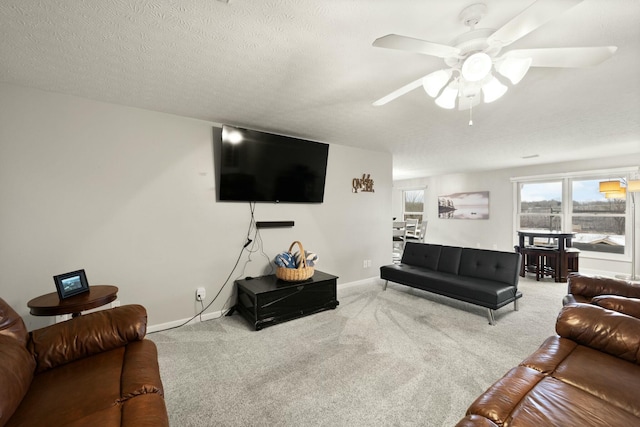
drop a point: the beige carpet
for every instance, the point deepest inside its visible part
(399, 357)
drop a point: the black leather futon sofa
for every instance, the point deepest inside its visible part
(478, 276)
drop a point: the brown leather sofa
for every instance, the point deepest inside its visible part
(587, 375)
(92, 370)
(584, 288)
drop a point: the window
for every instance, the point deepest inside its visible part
(541, 206)
(599, 223)
(413, 205)
(574, 203)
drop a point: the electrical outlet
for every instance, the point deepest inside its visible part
(201, 293)
(364, 263)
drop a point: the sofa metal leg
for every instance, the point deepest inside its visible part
(384, 288)
(492, 319)
(516, 307)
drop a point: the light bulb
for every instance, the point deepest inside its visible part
(493, 90)
(436, 81)
(448, 97)
(514, 68)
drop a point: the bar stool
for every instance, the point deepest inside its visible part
(541, 261)
(530, 262)
(572, 256)
(550, 262)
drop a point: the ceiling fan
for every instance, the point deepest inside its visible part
(475, 56)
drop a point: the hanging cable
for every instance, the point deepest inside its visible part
(252, 227)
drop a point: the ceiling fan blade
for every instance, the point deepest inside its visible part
(528, 20)
(564, 57)
(399, 92)
(394, 41)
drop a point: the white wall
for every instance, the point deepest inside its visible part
(129, 195)
(497, 231)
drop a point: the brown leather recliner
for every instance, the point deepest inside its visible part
(92, 370)
(584, 288)
(587, 375)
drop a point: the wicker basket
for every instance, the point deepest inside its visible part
(299, 274)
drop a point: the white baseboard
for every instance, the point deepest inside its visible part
(370, 281)
(187, 321)
(375, 280)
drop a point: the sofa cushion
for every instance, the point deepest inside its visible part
(81, 390)
(591, 286)
(555, 403)
(629, 306)
(601, 329)
(569, 397)
(421, 255)
(486, 293)
(492, 265)
(87, 335)
(449, 261)
(622, 392)
(96, 389)
(16, 373)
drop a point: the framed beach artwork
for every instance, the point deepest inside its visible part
(469, 205)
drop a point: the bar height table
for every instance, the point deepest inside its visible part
(564, 242)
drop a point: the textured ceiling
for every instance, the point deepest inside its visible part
(307, 68)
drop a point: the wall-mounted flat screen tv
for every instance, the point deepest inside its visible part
(263, 167)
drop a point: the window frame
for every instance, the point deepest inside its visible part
(567, 205)
(626, 215)
(405, 212)
(560, 215)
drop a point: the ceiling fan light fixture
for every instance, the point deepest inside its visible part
(435, 81)
(448, 97)
(493, 90)
(476, 67)
(514, 68)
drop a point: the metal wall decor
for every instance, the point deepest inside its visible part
(364, 184)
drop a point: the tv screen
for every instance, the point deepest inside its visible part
(263, 167)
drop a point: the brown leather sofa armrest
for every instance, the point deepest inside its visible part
(630, 306)
(591, 286)
(604, 330)
(86, 335)
(476, 421)
(549, 355)
(498, 401)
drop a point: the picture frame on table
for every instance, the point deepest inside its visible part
(72, 283)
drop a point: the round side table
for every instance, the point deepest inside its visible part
(52, 305)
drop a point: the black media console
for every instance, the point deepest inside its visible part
(267, 300)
